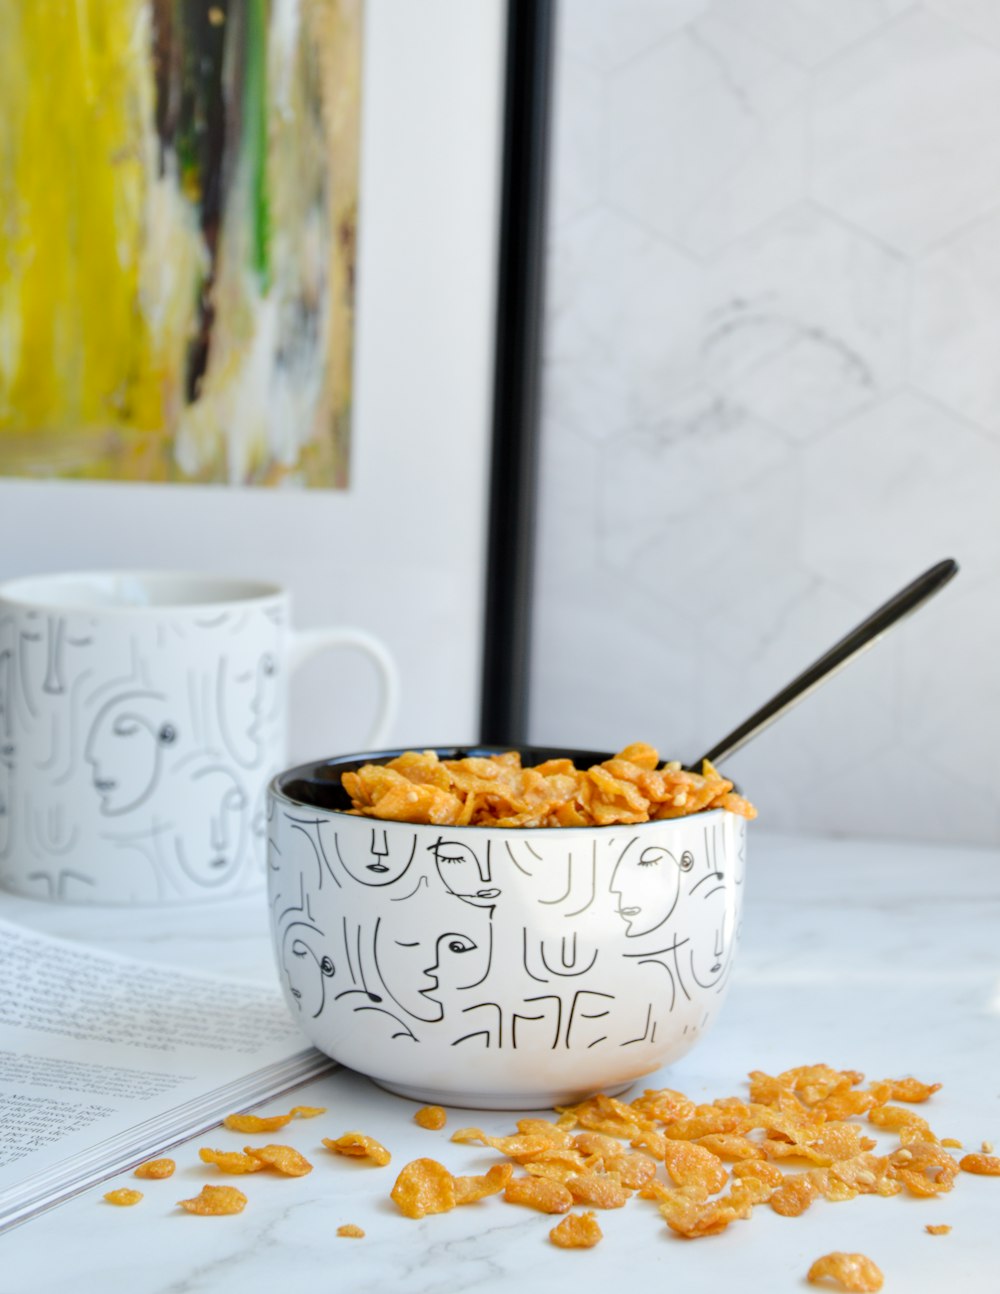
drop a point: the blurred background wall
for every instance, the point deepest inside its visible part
(771, 397)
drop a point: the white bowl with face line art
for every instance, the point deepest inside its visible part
(498, 968)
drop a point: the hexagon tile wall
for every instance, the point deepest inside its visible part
(772, 397)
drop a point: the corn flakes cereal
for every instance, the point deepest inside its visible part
(156, 1169)
(924, 1168)
(854, 1272)
(231, 1161)
(794, 1195)
(123, 1197)
(696, 1220)
(689, 1164)
(497, 791)
(983, 1165)
(942, 1229)
(350, 1230)
(215, 1201)
(470, 1189)
(432, 1117)
(578, 1231)
(424, 1186)
(283, 1159)
(271, 1122)
(355, 1145)
(541, 1193)
(602, 1190)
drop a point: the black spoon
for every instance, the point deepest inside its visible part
(861, 637)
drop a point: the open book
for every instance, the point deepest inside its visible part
(106, 1061)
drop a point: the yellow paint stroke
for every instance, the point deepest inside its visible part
(102, 259)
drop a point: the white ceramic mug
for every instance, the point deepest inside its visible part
(142, 715)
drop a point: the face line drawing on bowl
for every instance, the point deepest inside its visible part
(469, 871)
(308, 985)
(646, 883)
(387, 865)
(461, 943)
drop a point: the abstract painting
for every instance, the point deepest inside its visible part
(178, 221)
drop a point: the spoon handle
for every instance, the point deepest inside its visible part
(860, 638)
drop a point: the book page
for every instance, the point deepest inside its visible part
(97, 1049)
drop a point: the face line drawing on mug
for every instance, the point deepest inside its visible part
(462, 859)
(127, 773)
(221, 801)
(389, 863)
(255, 684)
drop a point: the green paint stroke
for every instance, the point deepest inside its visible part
(254, 142)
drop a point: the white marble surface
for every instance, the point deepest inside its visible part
(881, 957)
(770, 396)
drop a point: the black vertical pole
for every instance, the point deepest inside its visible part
(513, 479)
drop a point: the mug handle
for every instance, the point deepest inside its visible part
(307, 642)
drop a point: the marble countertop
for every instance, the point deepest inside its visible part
(879, 957)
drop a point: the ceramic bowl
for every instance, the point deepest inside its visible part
(498, 968)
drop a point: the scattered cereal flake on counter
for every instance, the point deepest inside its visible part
(432, 1117)
(355, 1145)
(940, 1230)
(156, 1169)
(983, 1165)
(577, 1231)
(123, 1197)
(271, 1122)
(987, 1147)
(215, 1201)
(854, 1272)
(283, 1159)
(230, 1161)
(541, 1193)
(424, 1186)
(351, 1231)
(470, 1189)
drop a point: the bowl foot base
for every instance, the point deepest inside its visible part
(496, 1100)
